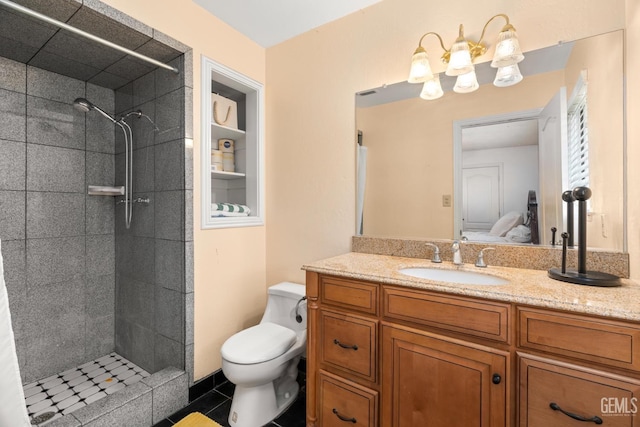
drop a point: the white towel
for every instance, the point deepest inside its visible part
(229, 209)
(13, 411)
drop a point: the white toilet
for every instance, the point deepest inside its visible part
(262, 361)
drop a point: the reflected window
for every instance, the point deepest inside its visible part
(578, 138)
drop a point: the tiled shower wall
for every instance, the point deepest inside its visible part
(64, 251)
(154, 284)
(57, 242)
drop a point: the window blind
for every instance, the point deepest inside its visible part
(578, 140)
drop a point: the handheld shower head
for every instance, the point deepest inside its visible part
(85, 106)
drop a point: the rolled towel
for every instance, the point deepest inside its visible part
(217, 208)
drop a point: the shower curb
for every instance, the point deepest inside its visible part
(142, 404)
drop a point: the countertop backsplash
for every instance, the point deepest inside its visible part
(516, 256)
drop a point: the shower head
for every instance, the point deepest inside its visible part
(85, 106)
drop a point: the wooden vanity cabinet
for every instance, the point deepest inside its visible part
(373, 358)
(394, 356)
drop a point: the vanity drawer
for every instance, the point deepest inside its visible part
(348, 343)
(346, 403)
(608, 342)
(349, 294)
(547, 388)
(484, 319)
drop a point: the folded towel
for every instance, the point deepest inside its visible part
(229, 209)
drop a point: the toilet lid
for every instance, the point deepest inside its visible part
(257, 344)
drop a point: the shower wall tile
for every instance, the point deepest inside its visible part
(135, 257)
(135, 301)
(55, 214)
(170, 116)
(168, 392)
(52, 86)
(144, 89)
(170, 264)
(12, 215)
(188, 112)
(168, 81)
(99, 336)
(100, 215)
(188, 215)
(143, 130)
(143, 165)
(135, 343)
(54, 260)
(100, 169)
(48, 59)
(189, 317)
(54, 123)
(14, 75)
(188, 164)
(55, 169)
(13, 124)
(188, 267)
(169, 215)
(100, 295)
(100, 136)
(188, 68)
(124, 99)
(12, 165)
(168, 352)
(54, 346)
(169, 165)
(100, 255)
(170, 314)
(144, 214)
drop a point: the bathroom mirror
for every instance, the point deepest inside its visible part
(418, 154)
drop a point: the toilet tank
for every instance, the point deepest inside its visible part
(281, 305)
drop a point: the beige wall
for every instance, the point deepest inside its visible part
(229, 264)
(310, 151)
(410, 155)
(311, 82)
(602, 58)
(633, 135)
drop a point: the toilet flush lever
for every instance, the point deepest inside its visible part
(298, 315)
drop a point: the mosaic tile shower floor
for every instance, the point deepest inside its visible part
(60, 394)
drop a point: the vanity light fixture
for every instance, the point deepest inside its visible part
(460, 59)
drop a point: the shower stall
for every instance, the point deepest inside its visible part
(94, 274)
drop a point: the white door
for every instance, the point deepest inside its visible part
(552, 140)
(481, 202)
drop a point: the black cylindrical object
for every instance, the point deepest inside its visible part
(582, 194)
(553, 236)
(568, 197)
(565, 236)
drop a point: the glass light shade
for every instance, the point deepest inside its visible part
(508, 76)
(466, 83)
(460, 59)
(420, 68)
(432, 89)
(507, 50)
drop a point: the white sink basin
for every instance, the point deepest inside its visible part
(453, 276)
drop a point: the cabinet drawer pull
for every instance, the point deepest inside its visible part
(556, 407)
(343, 418)
(353, 347)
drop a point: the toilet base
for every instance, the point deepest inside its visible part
(257, 406)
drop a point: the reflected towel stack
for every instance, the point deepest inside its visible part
(229, 209)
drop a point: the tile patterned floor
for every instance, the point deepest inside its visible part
(60, 394)
(216, 404)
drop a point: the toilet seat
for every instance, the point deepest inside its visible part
(258, 344)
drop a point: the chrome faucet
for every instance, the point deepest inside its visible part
(457, 255)
(436, 252)
(480, 261)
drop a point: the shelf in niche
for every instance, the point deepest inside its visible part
(226, 132)
(226, 175)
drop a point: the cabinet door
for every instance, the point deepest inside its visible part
(430, 380)
(555, 394)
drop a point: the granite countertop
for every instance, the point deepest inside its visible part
(531, 287)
